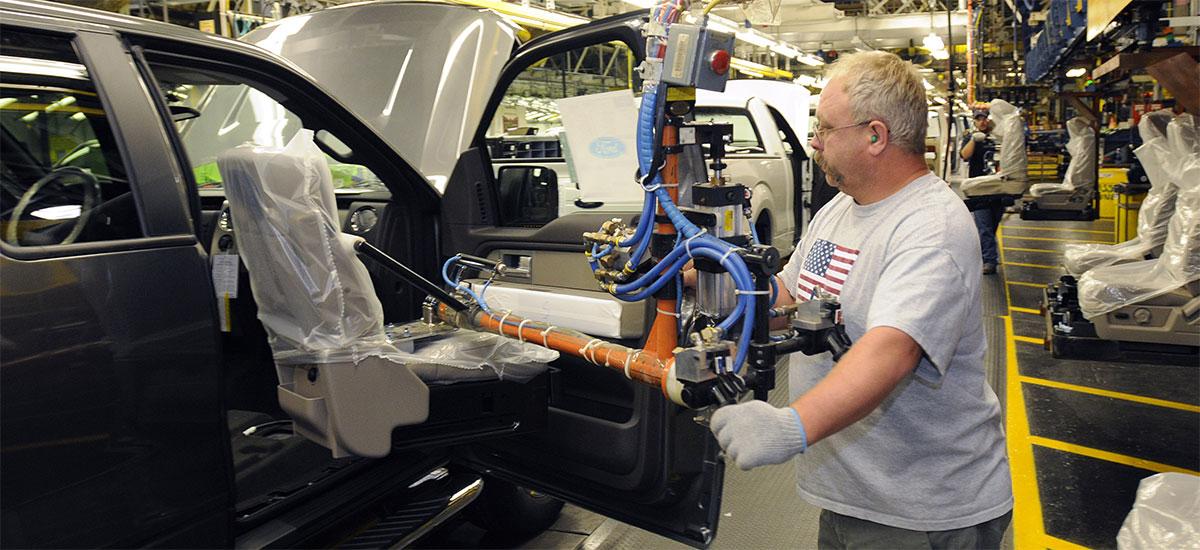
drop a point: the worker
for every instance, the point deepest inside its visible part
(900, 442)
(978, 150)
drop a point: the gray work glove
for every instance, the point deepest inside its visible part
(755, 433)
(978, 137)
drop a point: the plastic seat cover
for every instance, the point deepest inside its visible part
(1012, 178)
(1156, 210)
(1081, 171)
(1108, 288)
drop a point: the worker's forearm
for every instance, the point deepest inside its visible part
(784, 298)
(858, 383)
(967, 150)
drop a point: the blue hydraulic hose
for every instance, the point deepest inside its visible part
(459, 286)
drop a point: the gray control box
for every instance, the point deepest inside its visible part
(697, 57)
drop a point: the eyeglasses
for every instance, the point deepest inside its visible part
(820, 133)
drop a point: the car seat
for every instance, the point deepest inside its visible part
(1156, 209)
(345, 386)
(1156, 300)
(1012, 178)
(1078, 187)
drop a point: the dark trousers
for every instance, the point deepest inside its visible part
(838, 532)
(987, 212)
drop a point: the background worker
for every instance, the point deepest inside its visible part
(978, 149)
(900, 442)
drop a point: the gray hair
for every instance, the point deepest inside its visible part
(881, 86)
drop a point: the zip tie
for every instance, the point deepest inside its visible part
(687, 244)
(521, 330)
(500, 330)
(752, 292)
(607, 355)
(726, 256)
(544, 333)
(584, 350)
(671, 313)
(630, 358)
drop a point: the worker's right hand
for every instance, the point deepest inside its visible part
(978, 137)
(756, 433)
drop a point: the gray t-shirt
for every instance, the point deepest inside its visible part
(932, 456)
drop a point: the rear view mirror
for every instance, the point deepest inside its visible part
(528, 195)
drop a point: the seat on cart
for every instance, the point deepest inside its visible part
(1156, 300)
(1079, 184)
(1162, 169)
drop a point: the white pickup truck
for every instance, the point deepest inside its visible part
(767, 154)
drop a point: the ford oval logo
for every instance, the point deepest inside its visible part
(607, 147)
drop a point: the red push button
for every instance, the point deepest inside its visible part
(719, 61)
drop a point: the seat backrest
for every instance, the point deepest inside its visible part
(1181, 251)
(1155, 157)
(1010, 129)
(315, 298)
(1081, 171)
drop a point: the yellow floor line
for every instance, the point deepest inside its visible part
(1057, 229)
(1030, 311)
(1042, 250)
(1020, 264)
(1108, 456)
(1029, 284)
(1028, 526)
(1029, 340)
(1055, 543)
(1052, 239)
(1000, 245)
(1109, 393)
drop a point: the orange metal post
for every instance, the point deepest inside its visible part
(664, 333)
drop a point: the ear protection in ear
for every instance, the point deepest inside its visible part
(874, 138)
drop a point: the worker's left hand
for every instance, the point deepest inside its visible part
(755, 433)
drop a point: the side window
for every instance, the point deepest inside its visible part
(228, 113)
(745, 134)
(62, 179)
(529, 137)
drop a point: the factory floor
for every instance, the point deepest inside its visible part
(1081, 434)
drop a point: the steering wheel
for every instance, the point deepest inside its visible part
(91, 193)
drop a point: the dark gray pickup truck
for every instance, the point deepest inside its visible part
(139, 408)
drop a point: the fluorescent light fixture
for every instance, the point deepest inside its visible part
(810, 60)
(786, 50)
(940, 100)
(1076, 72)
(78, 117)
(933, 42)
(940, 55)
(752, 37)
(30, 117)
(806, 80)
(6, 101)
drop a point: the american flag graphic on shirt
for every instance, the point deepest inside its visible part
(826, 267)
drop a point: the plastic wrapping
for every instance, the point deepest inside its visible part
(1156, 210)
(1108, 288)
(1166, 514)
(1081, 171)
(591, 313)
(470, 355)
(315, 298)
(1012, 177)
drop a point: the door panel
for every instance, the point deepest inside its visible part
(612, 446)
(110, 395)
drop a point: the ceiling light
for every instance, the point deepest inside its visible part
(940, 100)
(810, 60)
(1076, 72)
(940, 55)
(933, 42)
